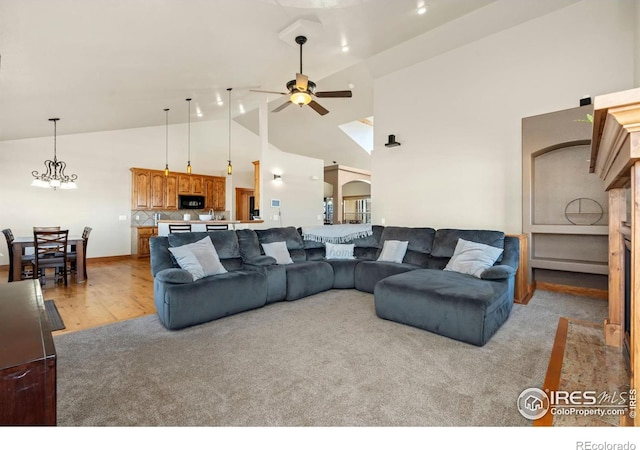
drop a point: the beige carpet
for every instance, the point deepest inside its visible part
(326, 360)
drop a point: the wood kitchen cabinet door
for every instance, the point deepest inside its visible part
(209, 193)
(221, 193)
(190, 185)
(171, 192)
(141, 189)
(157, 190)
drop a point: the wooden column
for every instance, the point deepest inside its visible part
(613, 325)
(615, 158)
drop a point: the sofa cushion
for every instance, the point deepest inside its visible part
(307, 278)
(473, 258)
(447, 303)
(420, 242)
(225, 242)
(344, 273)
(199, 258)
(393, 251)
(446, 240)
(368, 273)
(278, 251)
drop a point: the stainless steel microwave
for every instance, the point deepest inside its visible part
(191, 202)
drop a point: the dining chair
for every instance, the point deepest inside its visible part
(50, 250)
(46, 228)
(179, 227)
(73, 254)
(215, 227)
(25, 270)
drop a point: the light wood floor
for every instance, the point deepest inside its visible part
(117, 289)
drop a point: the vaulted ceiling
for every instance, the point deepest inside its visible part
(113, 64)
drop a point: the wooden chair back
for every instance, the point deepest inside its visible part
(50, 249)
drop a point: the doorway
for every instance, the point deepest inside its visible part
(243, 203)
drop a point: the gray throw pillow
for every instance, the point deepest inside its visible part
(393, 251)
(278, 251)
(472, 258)
(199, 258)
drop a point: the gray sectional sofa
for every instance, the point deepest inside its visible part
(416, 291)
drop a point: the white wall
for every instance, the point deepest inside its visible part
(458, 115)
(300, 190)
(102, 162)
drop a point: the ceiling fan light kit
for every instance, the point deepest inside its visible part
(302, 90)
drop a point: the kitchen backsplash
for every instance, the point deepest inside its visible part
(145, 218)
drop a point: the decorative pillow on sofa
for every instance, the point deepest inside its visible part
(473, 258)
(200, 258)
(339, 251)
(393, 251)
(278, 250)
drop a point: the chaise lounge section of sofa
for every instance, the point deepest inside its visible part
(415, 291)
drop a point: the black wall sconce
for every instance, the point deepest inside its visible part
(392, 141)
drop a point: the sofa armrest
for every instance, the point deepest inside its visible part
(498, 272)
(262, 260)
(174, 276)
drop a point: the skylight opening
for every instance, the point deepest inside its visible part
(361, 132)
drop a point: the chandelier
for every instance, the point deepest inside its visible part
(54, 177)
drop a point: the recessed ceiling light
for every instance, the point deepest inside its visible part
(345, 48)
(422, 10)
(220, 103)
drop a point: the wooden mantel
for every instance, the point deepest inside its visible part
(615, 158)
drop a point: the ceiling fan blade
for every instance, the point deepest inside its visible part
(327, 94)
(269, 92)
(317, 107)
(301, 82)
(283, 106)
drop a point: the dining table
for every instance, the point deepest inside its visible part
(22, 243)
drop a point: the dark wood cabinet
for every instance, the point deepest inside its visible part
(27, 357)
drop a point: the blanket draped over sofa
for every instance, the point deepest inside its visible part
(337, 234)
(419, 290)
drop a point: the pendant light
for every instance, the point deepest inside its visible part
(166, 157)
(54, 177)
(189, 137)
(229, 167)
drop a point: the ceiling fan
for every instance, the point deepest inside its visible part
(302, 90)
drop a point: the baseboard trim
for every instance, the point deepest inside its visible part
(526, 297)
(602, 294)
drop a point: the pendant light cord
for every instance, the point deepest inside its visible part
(166, 139)
(229, 90)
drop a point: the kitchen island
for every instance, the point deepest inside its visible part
(201, 225)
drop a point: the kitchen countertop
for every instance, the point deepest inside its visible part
(210, 221)
(228, 222)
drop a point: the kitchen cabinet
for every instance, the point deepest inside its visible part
(215, 193)
(152, 190)
(171, 192)
(190, 184)
(140, 241)
(157, 192)
(147, 189)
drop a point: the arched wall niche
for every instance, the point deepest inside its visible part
(567, 246)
